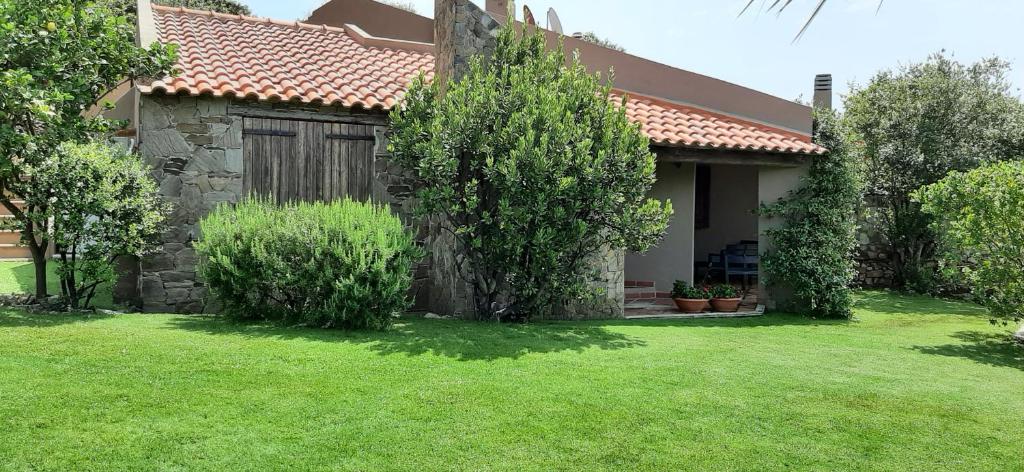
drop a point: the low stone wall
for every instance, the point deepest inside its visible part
(874, 267)
(609, 301)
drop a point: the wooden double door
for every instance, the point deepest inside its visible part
(307, 160)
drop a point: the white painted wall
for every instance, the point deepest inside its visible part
(734, 202)
(774, 183)
(673, 258)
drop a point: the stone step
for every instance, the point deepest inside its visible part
(638, 283)
(640, 293)
(14, 251)
(10, 237)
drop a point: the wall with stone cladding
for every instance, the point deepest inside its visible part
(460, 34)
(609, 301)
(194, 146)
(195, 149)
(874, 269)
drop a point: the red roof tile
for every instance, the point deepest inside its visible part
(673, 124)
(251, 58)
(235, 56)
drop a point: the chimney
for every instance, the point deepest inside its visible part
(823, 91)
(461, 30)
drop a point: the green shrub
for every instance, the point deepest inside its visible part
(534, 169)
(979, 216)
(100, 202)
(683, 289)
(812, 250)
(343, 264)
(723, 291)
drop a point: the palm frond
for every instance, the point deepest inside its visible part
(779, 7)
(821, 3)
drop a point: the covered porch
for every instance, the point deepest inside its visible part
(716, 235)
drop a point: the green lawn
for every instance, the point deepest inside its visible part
(20, 277)
(914, 384)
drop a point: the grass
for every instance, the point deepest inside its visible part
(20, 277)
(912, 384)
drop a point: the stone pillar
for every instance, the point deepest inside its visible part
(609, 300)
(461, 31)
(195, 150)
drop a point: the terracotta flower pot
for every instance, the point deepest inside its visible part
(690, 305)
(725, 305)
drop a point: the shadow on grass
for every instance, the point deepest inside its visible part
(14, 318)
(994, 349)
(896, 303)
(456, 339)
(23, 277)
(20, 277)
(771, 319)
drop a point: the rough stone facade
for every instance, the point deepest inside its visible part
(874, 269)
(195, 149)
(461, 31)
(610, 297)
(194, 146)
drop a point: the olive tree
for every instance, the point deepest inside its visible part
(533, 168)
(57, 59)
(979, 216)
(915, 125)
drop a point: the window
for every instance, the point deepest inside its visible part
(702, 198)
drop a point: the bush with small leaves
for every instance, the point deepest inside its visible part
(683, 289)
(979, 217)
(344, 264)
(101, 203)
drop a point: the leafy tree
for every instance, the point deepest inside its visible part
(915, 125)
(102, 203)
(232, 7)
(534, 169)
(57, 58)
(812, 251)
(979, 216)
(592, 37)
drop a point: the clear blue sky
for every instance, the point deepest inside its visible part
(848, 40)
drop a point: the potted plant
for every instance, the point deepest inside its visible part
(725, 298)
(689, 298)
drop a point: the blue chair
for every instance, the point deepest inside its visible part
(742, 260)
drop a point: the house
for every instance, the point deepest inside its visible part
(299, 110)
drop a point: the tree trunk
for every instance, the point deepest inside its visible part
(39, 261)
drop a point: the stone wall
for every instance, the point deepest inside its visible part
(609, 300)
(461, 31)
(874, 269)
(194, 146)
(195, 149)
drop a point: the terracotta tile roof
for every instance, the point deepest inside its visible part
(252, 58)
(673, 124)
(244, 57)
